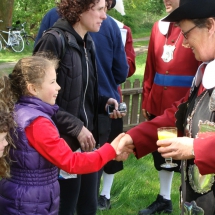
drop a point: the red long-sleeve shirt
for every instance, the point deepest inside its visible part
(44, 137)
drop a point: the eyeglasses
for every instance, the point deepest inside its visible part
(185, 34)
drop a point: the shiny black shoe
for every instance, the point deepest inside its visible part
(160, 205)
(103, 203)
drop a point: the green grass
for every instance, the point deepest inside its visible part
(140, 67)
(8, 55)
(140, 43)
(141, 34)
(137, 186)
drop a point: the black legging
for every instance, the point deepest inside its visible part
(109, 129)
(79, 194)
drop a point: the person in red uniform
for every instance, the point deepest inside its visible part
(193, 115)
(169, 71)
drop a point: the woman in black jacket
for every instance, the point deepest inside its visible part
(78, 99)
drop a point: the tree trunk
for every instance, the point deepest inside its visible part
(6, 13)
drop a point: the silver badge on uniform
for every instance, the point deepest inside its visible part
(167, 55)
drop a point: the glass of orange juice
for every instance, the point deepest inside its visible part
(166, 133)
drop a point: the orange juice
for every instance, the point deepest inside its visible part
(166, 134)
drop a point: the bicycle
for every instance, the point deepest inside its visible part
(27, 38)
(15, 40)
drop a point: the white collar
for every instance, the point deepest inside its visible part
(120, 24)
(163, 26)
(208, 78)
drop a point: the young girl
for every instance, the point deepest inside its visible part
(33, 187)
(6, 124)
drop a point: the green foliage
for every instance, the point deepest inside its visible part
(32, 12)
(151, 6)
(140, 14)
(154, 6)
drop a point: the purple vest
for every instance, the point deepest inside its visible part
(33, 187)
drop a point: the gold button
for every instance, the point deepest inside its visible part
(172, 41)
(167, 72)
(165, 88)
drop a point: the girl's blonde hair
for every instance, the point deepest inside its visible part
(7, 123)
(30, 70)
(27, 70)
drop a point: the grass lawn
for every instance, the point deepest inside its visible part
(140, 66)
(8, 55)
(140, 43)
(137, 186)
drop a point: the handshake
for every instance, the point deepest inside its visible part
(123, 146)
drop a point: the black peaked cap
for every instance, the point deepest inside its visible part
(192, 9)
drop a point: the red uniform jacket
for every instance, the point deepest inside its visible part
(166, 82)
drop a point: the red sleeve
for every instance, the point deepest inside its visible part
(144, 135)
(204, 154)
(44, 137)
(150, 70)
(129, 50)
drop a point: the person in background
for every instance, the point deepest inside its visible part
(7, 125)
(110, 76)
(33, 187)
(78, 98)
(169, 71)
(48, 21)
(193, 115)
(115, 43)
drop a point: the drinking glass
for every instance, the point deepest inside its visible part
(166, 133)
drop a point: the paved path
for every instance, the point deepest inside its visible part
(141, 39)
(7, 65)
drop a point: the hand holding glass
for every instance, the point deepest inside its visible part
(166, 133)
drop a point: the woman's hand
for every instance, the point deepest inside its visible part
(86, 140)
(180, 148)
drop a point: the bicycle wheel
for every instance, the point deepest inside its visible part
(17, 43)
(29, 40)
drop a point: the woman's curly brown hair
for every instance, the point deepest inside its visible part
(72, 9)
(7, 123)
